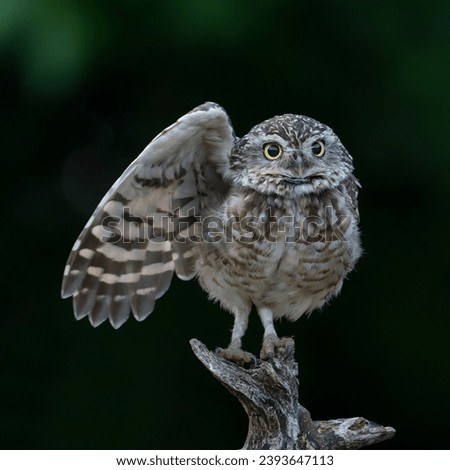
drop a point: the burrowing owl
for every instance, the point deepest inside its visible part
(269, 220)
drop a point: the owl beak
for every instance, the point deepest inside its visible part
(297, 170)
(298, 165)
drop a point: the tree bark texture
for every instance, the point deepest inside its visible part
(268, 391)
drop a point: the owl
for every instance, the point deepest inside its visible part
(268, 220)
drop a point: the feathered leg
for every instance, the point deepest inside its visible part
(234, 351)
(271, 341)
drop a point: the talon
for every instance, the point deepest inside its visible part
(273, 345)
(236, 355)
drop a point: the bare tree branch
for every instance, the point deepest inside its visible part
(268, 391)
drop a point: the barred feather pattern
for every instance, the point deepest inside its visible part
(143, 229)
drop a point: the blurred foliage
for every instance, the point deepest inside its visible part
(85, 85)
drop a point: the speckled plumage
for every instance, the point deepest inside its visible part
(269, 220)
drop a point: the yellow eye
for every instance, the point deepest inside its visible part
(318, 148)
(272, 151)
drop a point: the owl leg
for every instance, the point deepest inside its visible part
(271, 341)
(234, 351)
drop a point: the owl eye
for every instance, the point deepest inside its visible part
(318, 148)
(272, 151)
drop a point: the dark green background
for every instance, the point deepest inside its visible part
(85, 85)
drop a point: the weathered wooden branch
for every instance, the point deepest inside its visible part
(268, 391)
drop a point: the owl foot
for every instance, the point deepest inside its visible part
(272, 344)
(236, 355)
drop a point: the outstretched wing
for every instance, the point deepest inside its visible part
(142, 230)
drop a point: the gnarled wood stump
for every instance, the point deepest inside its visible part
(268, 391)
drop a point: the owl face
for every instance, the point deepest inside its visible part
(290, 156)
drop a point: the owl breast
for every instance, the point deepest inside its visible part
(291, 255)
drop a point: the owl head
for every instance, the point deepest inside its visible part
(291, 156)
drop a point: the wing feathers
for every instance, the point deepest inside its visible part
(120, 306)
(144, 228)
